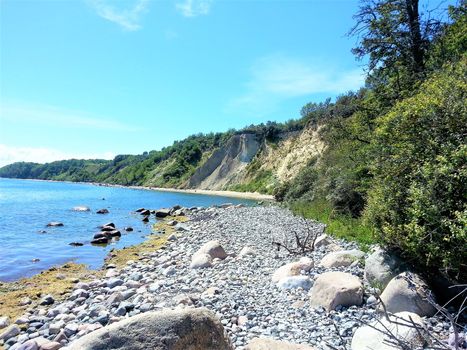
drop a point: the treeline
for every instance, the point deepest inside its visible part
(169, 167)
(396, 149)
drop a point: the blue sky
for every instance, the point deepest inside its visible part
(96, 78)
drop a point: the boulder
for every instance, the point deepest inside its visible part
(55, 224)
(272, 344)
(374, 335)
(128, 229)
(199, 261)
(81, 208)
(336, 288)
(102, 211)
(145, 212)
(114, 233)
(194, 329)
(341, 258)
(293, 282)
(162, 213)
(408, 292)
(100, 240)
(10, 332)
(381, 267)
(76, 244)
(292, 269)
(109, 224)
(212, 248)
(139, 210)
(107, 228)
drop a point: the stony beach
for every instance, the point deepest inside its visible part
(248, 289)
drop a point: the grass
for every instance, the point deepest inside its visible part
(337, 225)
(260, 183)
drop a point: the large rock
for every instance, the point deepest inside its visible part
(190, 329)
(292, 269)
(376, 334)
(381, 267)
(408, 292)
(212, 248)
(271, 344)
(162, 213)
(341, 258)
(201, 261)
(336, 288)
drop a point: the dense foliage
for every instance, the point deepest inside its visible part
(396, 150)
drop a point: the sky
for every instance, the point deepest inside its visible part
(97, 78)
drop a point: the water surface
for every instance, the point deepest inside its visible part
(26, 206)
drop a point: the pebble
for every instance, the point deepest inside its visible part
(238, 289)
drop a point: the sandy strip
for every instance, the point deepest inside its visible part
(232, 194)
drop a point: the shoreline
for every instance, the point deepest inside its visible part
(220, 193)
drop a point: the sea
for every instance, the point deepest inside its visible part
(28, 246)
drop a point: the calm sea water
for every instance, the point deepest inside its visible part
(27, 206)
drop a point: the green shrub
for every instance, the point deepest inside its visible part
(418, 201)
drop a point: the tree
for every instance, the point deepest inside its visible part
(396, 36)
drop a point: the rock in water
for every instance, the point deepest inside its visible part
(400, 325)
(408, 292)
(55, 224)
(271, 344)
(81, 208)
(162, 213)
(336, 288)
(194, 329)
(102, 211)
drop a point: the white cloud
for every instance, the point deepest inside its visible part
(56, 116)
(276, 78)
(10, 154)
(193, 8)
(129, 19)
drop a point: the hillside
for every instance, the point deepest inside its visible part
(255, 158)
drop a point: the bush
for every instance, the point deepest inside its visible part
(418, 200)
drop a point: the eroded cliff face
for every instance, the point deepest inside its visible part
(226, 164)
(245, 157)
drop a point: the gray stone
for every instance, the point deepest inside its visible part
(195, 329)
(374, 336)
(381, 267)
(293, 282)
(408, 292)
(10, 332)
(336, 288)
(341, 258)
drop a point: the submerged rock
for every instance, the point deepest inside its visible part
(81, 208)
(55, 224)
